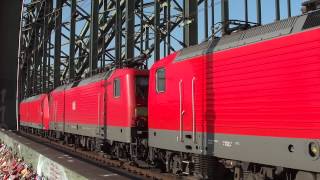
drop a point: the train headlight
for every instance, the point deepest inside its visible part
(314, 150)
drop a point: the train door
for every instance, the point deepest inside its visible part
(101, 111)
(55, 106)
(187, 123)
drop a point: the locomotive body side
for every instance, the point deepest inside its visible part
(121, 104)
(253, 103)
(23, 112)
(84, 107)
(266, 102)
(91, 108)
(34, 112)
(57, 109)
(176, 110)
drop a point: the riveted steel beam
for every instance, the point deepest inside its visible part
(169, 26)
(72, 46)
(225, 16)
(190, 29)
(118, 34)
(57, 50)
(289, 7)
(212, 17)
(277, 9)
(258, 6)
(156, 30)
(206, 33)
(45, 80)
(246, 11)
(129, 46)
(94, 27)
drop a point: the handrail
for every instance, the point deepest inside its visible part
(99, 113)
(193, 112)
(181, 112)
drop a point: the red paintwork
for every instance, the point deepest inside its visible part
(121, 110)
(35, 110)
(81, 102)
(56, 105)
(270, 88)
(23, 112)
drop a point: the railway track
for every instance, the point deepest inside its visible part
(101, 160)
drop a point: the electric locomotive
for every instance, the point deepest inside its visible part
(244, 106)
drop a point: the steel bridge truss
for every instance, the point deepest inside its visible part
(66, 40)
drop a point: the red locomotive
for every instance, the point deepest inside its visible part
(244, 106)
(34, 112)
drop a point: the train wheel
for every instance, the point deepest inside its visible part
(175, 164)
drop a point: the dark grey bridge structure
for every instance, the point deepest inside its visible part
(66, 40)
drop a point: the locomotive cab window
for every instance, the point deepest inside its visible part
(116, 88)
(161, 80)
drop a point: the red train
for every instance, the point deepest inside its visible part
(34, 112)
(245, 106)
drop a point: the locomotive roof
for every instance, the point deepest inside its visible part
(88, 80)
(95, 78)
(62, 87)
(256, 34)
(32, 98)
(92, 79)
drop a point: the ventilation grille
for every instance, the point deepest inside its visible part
(234, 37)
(270, 28)
(193, 51)
(313, 20)
(89, 80)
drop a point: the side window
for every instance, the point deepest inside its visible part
(161, 80)
(116, 88)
